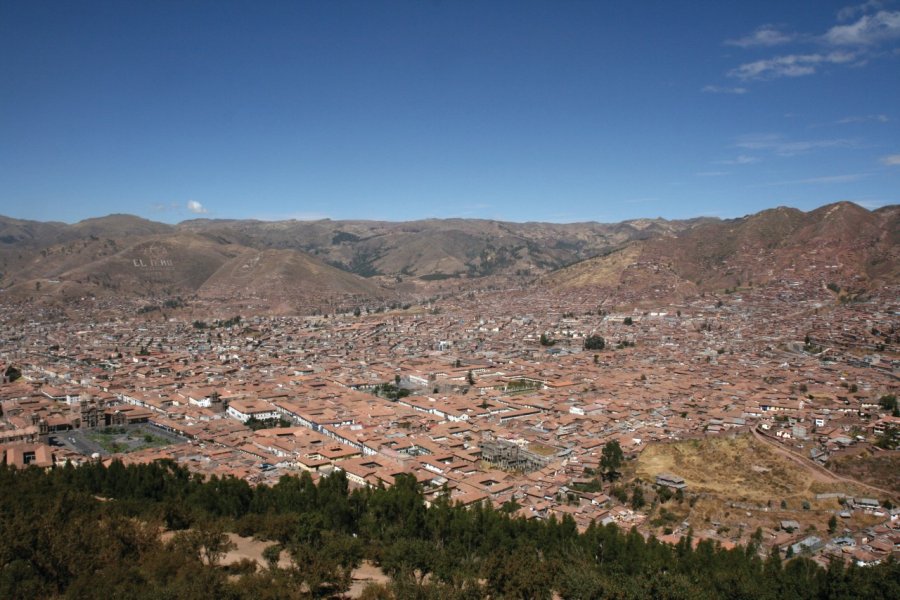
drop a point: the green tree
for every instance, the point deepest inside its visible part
(637, 498)
(594, 342)
(832, 524)
(13, 373)
(207, 540)
(611, 459)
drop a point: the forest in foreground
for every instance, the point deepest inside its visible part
(95, 532)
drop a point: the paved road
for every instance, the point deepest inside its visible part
(78, 442)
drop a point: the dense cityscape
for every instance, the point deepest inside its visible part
(759, 416)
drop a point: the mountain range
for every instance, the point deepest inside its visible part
(290, 266)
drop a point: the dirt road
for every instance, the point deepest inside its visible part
(817, 471)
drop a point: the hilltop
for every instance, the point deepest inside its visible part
(303, 266)
(844, 246)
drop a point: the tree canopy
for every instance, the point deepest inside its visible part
(93, 532)
(611, 458)
(594, 342)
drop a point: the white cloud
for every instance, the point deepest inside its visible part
(766, 35)
(792, 65)
(872, 26)
(834, 178)
(863, 119)
(171, 207)
(777, 144)
(850, 12)
(891, 160)
(196, 208)
(742, 159)
(868, 30)
(718, 89)
(826, 180)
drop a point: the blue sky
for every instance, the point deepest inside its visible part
(553, 111)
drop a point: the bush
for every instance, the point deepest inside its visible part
(594, 342)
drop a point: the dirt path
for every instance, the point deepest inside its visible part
(363, 575)
(817, 471)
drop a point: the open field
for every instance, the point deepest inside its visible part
(738, 468)
(740, 483)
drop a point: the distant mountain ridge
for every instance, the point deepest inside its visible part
(840, 243)
(450, 248)
(307, 265)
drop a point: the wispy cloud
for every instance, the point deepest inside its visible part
(765, 35)
(891, 160)
(161, 207)
(863, 119)
(196, 208)
(792, 65)
(849, 178)
(741, 159)
(868, 30)
(713, 173)
(825, 180)
(720, 89)
(844, 44)
(778, 144)
(850, 12)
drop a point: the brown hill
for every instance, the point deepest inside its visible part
(18, 232)
(287, 279)
(440, 248)
(293, 264)
(841, 243)
(151, 268)
(155, 266)
(116, 227)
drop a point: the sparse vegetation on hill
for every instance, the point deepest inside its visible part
(881, 469)
(309, 264)
(726, 255)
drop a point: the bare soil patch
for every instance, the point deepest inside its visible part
(739, 483)
(744, 469)
(363, 575)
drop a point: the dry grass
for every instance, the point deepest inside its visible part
(246, 548)
(363, 575)
(542, 449)
(600, 271)
(881, 469)
(734, 468)
(738, 483)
